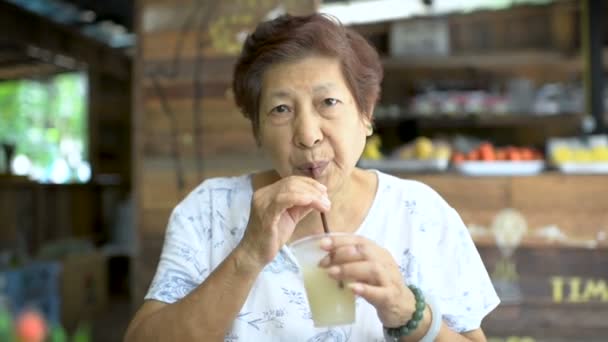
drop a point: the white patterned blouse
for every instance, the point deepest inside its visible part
(424, 234)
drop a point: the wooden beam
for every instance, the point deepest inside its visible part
(28, 70)
(61, 39)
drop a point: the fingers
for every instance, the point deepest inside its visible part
(312, 182)
(360, 271)
(370, 272)
(302, 191)
(292, 192)
(344, 254)
(288, 200)
(375, 295)
(334, 242)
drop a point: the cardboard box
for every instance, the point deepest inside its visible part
(84, 288)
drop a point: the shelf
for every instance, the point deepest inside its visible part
(479, 121)
(506, 59)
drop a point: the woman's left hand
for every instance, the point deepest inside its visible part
(372, 273)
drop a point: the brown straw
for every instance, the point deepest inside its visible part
(324, 220)
(326, 231)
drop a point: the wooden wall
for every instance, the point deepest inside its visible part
(548, 276)
(110, 120)
(33, 214)
(38, 213)
(186, 125)
(572, 203)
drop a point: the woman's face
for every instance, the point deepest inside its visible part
(309, 121)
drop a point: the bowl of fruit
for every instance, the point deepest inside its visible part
(421, 155)
(587, 155)
(489, 160)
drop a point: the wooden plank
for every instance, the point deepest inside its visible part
(214, 115)
(545, 229)
(154, 222)
(162, 15)
(524, 26)
(170, 16)
(17, 204)
(159, 191)
(580, 227)
(151, 3)
(145, 264)
(537, 323)
(580, 194)
(158, 184)
(212, 144)
(61, 39)
(164, 45)
(552, 281)
(185, 90)
(160, 125)
(545, 215)
(552, 262)
(475, 216)
(506, 61)
(208, 104)
(471, 193)
(211, 69)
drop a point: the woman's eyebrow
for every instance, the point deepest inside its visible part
(321, 88)
(281, 94)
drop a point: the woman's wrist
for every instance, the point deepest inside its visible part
(413, 320)
(245, 262)
(426, 329)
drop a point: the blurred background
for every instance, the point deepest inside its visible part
(112, 111)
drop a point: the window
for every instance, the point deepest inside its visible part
(46, 122)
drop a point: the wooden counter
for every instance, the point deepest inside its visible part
(577, 205)
(32, 213)
(554, 285)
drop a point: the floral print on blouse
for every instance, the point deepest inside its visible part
(424, 234)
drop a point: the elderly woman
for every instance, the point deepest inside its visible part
(226, 272)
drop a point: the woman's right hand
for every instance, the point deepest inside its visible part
(276, 209)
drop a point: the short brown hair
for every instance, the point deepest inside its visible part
(289, 38)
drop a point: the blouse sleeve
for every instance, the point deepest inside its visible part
(462, 284)
(180, 269)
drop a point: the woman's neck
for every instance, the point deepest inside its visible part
(350, 203)
(349, 206)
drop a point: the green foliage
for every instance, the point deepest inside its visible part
(82, 333)
(58, 334)
(40, 115)
(9, 111)
(6, 325)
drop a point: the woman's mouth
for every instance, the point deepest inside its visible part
(313, 169)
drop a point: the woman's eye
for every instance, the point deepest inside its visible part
(280, 109)
(330, 102)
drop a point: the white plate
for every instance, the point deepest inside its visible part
(500, 168)
(405, 165)
(584, 168)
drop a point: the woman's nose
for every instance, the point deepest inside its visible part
(307, 130)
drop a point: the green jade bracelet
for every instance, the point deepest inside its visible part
(412, 324)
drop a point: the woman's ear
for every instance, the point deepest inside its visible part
(368, 122)
(370, 129)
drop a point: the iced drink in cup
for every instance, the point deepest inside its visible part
(331, 302)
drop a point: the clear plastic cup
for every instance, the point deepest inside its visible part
(331, 302)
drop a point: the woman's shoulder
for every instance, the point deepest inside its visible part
(241, 182)
(408, 188)
(216, 188)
